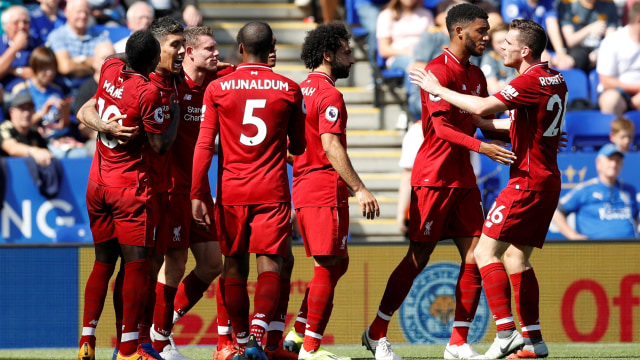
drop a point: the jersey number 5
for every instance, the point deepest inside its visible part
(105, 115)
(249, 118)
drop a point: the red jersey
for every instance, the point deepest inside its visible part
(443, 159)
(537, 100)
(191, 97)
(125, 92)
(315, 181)
(161, 164)
(254, 110)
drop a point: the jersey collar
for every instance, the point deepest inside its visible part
(543, 64)
(321, 74)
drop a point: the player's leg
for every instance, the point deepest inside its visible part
(236, 297)
(225, 349)
(468, 291)
(274, 345)
(428, 213)
(527, 298)
(107, 251)
(498, 292)
(95, 293)
(295, 336)
(465, 227)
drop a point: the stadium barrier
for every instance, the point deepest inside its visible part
(589, 293)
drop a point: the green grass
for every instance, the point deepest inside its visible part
(408, 352)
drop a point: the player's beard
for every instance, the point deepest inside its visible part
(472, 47)
(339, 70)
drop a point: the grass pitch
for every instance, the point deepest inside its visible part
(408, 352)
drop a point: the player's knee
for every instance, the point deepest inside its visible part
(209, 270)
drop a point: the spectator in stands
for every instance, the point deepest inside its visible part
(444, 5)
(107, 12)
(492, 64)
(622, 133)
(619, 67)
(18, 137)
(52, 117)
(16, 46)
(398, 30)
(185, 11)
(139, 17)
(46, 17)
(544, 13)
(584, 24)
(74, 44)
(368, 11)
(604, 207)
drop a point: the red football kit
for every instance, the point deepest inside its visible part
(253, 110)
(185, 231)
(316, 184)
(445, 200)
(118, 193)
(537, 100)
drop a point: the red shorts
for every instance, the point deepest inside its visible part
(324, 230)
(256, 229)
(440, 213)
(184, 230)
(163, 231)
(123, 213)
(521, 217)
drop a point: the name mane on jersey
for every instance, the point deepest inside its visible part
(255, 84)
(193, 113)
(308, 91)
(551, 80)
(112, 89)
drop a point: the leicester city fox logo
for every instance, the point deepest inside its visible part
(426, 315)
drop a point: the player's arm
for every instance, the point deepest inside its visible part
(296, 127)
(202, 156)
(472, 104)
(340, 161)
(161, 142)
(560, 219)
(89, 117)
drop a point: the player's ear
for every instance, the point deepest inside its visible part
(458, 31)
(525, 51)
(328, 56)
(240, 49)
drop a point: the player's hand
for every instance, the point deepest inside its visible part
(200, 212)
(368, 202)
(425, 80)
(495, 150)
(123, 134)
(564, 140)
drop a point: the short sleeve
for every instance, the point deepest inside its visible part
(331, 115)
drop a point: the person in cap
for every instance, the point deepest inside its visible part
(18, 138)
(605, 207)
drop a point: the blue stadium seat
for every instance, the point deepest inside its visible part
(116, 33)
(80, 233)
(577, 84)
(587, 130)
(594, 82)
(352, 19)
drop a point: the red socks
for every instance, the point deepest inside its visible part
(398, 286)
(134, 293)
(264, 303)
(224, 324)
(276, 326)
(189, 292)
(163, 313)
(527, 296)
(498, 292)
(468, 292)
(94, 295)
(301, 320)
(236, 300)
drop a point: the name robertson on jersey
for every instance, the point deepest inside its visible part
(259, 84)
(551, 80)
